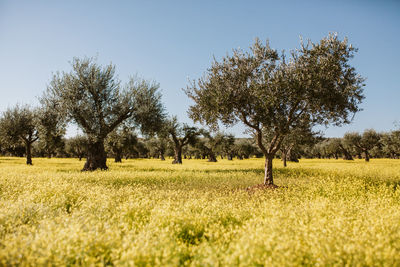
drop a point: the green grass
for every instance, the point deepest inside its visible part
(148, 212)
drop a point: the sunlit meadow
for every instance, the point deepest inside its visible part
(152, 213)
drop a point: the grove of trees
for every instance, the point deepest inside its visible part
(279, 97)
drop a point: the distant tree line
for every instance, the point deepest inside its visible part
(124, 144)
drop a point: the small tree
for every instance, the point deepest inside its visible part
(181, 135)
(244, 148)
(362, 143)
(225, 145)
(333, 147)
(294, 140)
(92, 97)
(210, 144)
(272, 95)
(391, 144)
(19, 124)
(158, 146)
(120, 141)
(51, 129)
(77, 146)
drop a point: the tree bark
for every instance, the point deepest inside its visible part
(28, 146)
(178, 155)
(366, 155)
(162, 156)
(118, 157)
(346, 155)
(268, 178)
(211, 157)
(284, 158)
(96, 157)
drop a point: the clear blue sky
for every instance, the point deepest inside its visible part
(173, 41)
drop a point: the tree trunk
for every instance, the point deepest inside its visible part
(96, 157)
(28, 153)
(268, 178)
(80, 157)
(178, 155)
(162, 156)
(284, 159)
(366, 155)
(118, 157)
(347, 155)
(211, 157)
(230, 157)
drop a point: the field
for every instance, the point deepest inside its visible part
(149, 212)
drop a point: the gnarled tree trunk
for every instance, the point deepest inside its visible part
(178, 155)
(96, 157)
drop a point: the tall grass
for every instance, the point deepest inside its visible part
(149, 212)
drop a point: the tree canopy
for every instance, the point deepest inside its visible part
(93, 98)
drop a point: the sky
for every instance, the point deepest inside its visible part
(174, 42)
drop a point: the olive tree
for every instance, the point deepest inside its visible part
(362, 143)
(225, 145)
(120, 141)
(272, 93)
(77, 146)
(94, 99)
(19, 124)
(294, 140)
(391, 144)
(51, 127)
(181, 135)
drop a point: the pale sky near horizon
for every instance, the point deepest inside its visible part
(174, 41)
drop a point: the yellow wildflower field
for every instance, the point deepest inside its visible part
(148, 212)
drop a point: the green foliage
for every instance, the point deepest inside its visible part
(93, 98)
(77, 146)
(121, 142)
(391, 144)
(51, 128)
